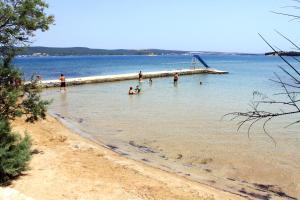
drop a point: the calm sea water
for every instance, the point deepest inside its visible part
(80, 66)
(179, 128)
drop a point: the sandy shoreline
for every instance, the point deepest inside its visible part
(68, 166)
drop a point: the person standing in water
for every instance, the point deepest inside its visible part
(140, 76)
(176, 77)
(62, 82)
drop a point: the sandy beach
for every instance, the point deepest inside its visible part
(67, 166)
(150, 103)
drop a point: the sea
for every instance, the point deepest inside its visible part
(185, 128)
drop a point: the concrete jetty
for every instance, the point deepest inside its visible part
(130, 76)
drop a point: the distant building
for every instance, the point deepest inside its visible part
(39, 54)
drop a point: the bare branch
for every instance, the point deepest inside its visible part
(266, 132)
(290, 75)
(289, 15)
(279, 54)
(287, 93)
(287, 84)
(288, 39)
(287, 101)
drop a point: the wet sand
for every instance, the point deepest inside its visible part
(67, 166)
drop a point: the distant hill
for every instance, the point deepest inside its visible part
(54, 51)
(81, 51)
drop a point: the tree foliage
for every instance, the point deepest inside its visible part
(19, 19)
(14, 152)
(17, 98)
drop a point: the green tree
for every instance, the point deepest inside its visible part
(19, 20)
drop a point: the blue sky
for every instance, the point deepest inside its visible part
(213, 25)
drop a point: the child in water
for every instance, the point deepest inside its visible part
(137, 89)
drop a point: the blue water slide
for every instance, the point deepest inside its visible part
(201, 60)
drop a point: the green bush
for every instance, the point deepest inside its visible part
(19, 20)
(14, 152)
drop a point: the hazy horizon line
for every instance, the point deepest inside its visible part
(215, 51)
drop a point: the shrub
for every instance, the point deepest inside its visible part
(14, 152)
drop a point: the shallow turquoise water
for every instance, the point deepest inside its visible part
(179, 128)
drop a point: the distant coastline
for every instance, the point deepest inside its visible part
(83, 51)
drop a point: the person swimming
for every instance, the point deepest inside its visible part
(150, 81)
(137, 89)
(131, 91)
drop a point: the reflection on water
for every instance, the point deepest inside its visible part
(64, 102)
